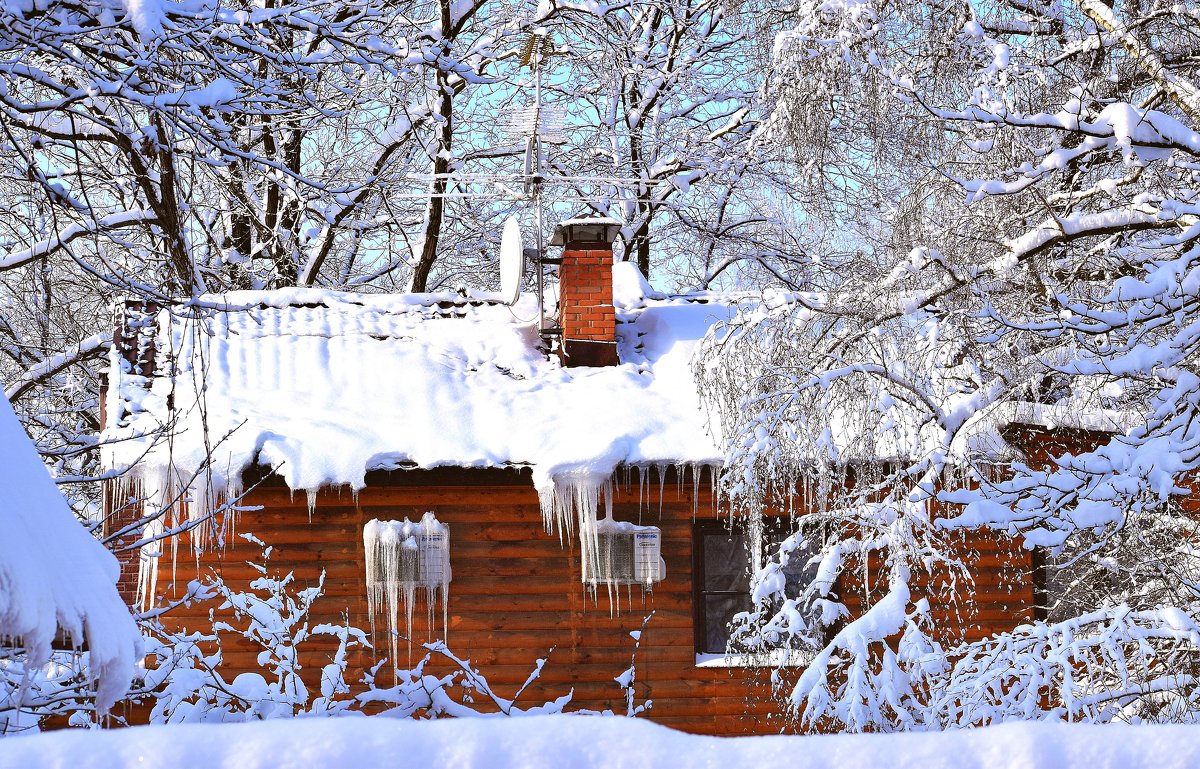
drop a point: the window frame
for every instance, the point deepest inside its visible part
(701, 529)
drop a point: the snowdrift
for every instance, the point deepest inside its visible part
(54, 576)
(581, 742)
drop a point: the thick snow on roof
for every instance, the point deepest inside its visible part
(53, 574)
(324, 386)
(582, 742)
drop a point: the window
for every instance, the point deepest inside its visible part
(722, 565)
(722, 577)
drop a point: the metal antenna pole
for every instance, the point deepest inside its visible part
(539, 49)
(537, 195)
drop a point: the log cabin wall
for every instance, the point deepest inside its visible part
(516, 593)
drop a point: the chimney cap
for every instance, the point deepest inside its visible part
(588, 229)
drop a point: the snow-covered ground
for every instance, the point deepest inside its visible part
(575, 742)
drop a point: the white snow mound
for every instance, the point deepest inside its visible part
(54, 575)
(581, 742)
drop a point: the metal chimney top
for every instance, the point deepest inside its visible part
(596, 229)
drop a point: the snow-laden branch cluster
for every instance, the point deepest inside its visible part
(184, 681)
(158, 150)
(1022, 183)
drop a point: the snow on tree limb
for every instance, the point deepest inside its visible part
(72, 233)
(95, 345)
(1028, 243)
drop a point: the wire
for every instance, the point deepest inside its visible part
(484, 178)
(613, 198)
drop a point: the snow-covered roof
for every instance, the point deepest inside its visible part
(54, 576)
(589, 220)
(325, 386)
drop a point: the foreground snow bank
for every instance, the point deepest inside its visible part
(55, 576)
(555, 742)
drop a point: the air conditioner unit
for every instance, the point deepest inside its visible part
(624, 554)
(433, 566)
(407, 553)
(648, 565)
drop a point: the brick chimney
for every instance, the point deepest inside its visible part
(585, 291)
(134, 337)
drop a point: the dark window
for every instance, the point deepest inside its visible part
(722, 580)
(723, 586)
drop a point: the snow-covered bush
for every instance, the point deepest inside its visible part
(57, 590)
(186, 682)
(29, 693)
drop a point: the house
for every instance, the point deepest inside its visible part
(57, 585)
(427, 441)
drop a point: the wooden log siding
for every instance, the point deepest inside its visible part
(516, 593)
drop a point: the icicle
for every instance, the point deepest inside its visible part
(642, 490)
(662, 480)
(174, 498)
(714, 487)
(312, 503)
(574, 501)
(134, 489)
(129, 491)
(402, 557)
(554, 500)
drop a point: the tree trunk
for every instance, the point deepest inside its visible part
(441, 166)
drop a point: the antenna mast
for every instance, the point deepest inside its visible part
(539, 48)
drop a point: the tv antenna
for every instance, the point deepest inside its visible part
(539, 126)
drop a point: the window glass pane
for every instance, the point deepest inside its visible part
(725, 577)
(726, 562)
(718, 611)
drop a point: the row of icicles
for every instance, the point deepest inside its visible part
(397, 577)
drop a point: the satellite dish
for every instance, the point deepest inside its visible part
(512, 261)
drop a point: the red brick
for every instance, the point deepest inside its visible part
(585, 292)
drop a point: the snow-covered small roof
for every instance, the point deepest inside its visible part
(54, 576)
(325, 386)
(1069, 413)
(589, 220)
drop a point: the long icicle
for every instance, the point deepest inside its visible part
(403, 558)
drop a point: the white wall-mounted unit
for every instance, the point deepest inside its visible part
(403, 558)
(624, 554)
(406, 553)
